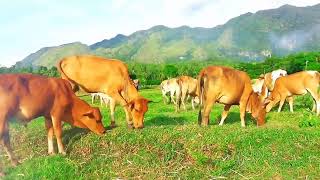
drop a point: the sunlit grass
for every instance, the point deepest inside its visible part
(173, 146)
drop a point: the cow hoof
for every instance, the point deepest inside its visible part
(15, 163)
(113, 125)
(2, 174)
(51, 153)
(63, 153)
(130, 126)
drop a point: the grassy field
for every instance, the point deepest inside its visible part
(173, 146)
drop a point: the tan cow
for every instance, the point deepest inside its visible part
(188, 87)
(109, 76)
(170, 86)
(229, 87)
(271, 77)
(298, 83)
(26, 97)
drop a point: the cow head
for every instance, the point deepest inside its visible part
(138, 107)
(90, 119)
(257, 109)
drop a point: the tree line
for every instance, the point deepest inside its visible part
(153, 74)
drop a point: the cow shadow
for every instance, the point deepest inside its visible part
(234, 117)
(72, 135)
(167, 121)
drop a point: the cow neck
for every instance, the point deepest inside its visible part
(132, 92)
(79, 105)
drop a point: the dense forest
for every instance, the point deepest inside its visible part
(153, 74)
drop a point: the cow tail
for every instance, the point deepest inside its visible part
(318, 77)
(201, 96)
(74, 85)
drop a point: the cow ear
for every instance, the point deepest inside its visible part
(131, 105)
(266, 101)
(88, 113)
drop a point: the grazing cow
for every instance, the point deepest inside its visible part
(188, 87)
(109, 76)
(229, 87)
(170, 86)
(26, 97)
(298, 83)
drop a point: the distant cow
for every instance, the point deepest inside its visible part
(109, 76)
(136, 83)
(188, 87)
(298, 83)
(104, 98)
(26, 97)
(170, 86)
(229, 87)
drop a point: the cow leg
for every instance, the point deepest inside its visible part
(242, 107)
(316, 99)
(49, 127)
(290, 101)
(92, 99)
(118, 98)
(5, 141)
(206, 113)
(165, 98)
(183, 99)
(172, 97)
(58, 133)
(224, 114)
(178, 100)
(281, 103)
(101, 101)
(112, 106)
(192, 103)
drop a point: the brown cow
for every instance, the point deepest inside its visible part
(26, 97)
(109, 76)
(188, 87)
(298, 83)
(229, 87)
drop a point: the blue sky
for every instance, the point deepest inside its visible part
(28, 25)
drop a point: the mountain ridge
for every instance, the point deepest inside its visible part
(249, 37)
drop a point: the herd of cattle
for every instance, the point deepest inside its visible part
(25, 96)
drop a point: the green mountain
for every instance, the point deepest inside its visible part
(49, 56)
(280, 31)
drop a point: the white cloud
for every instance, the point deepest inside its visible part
(38, 23)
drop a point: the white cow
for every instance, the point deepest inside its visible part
(104, 98)
(170, 86)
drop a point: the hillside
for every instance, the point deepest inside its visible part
(280, 31)
(48, 56)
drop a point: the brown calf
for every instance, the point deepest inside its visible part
(26, 97)
(229, 87)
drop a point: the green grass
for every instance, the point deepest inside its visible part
(173, 146)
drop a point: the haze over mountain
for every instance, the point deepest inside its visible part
(248, 37)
